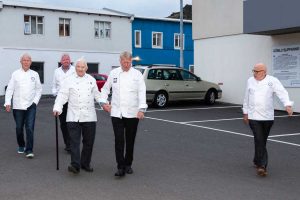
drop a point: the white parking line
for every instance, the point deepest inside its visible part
(221, 130)
(206, 108)
(229, 119)
(283, 135)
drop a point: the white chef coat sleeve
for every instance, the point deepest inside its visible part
(105, 90)
(246, 99)
(10, 90)
(38, 89)
(54, 84)
(142, 93)
(96, 92)
(281, 93)
(62, 97)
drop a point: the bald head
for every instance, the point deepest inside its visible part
(260, 66)
(259, 71)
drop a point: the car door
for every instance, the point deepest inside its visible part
(193, 86)
(174, 84)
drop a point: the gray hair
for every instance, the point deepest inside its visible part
(65, 54)
(25, 55)
(125, 54)
(81, 60)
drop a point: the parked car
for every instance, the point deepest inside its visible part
(100, 79)
(164, 84)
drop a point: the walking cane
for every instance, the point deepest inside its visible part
(57, 158)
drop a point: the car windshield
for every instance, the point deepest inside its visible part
(141, 70)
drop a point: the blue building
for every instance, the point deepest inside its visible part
(157, 41)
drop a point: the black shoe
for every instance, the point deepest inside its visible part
(128, 170)
(87, 169)
(120, 173)
(73, 169)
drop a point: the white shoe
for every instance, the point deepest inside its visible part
(29, 155)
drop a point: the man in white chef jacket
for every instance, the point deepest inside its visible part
(79, 90)
(128, 105)
(65, 70)
(26, 89)
(258, 111)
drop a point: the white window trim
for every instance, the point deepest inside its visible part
(28, 31)
(162, 39)
(140, 38)
(175, 34)
(65, 19)
(104, 29)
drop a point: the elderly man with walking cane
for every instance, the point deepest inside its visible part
(79, 90)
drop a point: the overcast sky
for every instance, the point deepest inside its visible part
(147, 8)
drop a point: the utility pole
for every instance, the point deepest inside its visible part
(181, 34)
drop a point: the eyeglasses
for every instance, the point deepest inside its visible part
(256, 72)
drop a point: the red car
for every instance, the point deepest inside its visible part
(100, 79)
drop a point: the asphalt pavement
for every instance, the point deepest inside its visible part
(188, 151)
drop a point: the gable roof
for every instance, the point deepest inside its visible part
(32, 5)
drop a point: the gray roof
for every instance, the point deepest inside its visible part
(64, 9)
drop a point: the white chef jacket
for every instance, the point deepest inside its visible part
(59, 76)
(25, 87)
(128, 92)
(80, 93)
(258, 101)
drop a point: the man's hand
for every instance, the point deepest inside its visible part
(289, 110)
(106, 107)
(140, 115)
(245, 119)
(56, 113)
(7, 108)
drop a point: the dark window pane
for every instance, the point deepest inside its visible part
(39, 68)
(92, 68)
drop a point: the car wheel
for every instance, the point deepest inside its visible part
(160, 99)
(210, 97)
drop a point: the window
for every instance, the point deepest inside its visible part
(92, 68)
(137, 37)
(157, 40)
(177, 41)
(64, 27)
(171, 74)
(187, 76)
(155, 74)
(102, 29)
(191, 68)
(33, 25)
(39, 68)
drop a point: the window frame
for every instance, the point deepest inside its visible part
(64, 27)
(156, 46)
(177, 35)
(28, 25)
(106, 26)
(139, 38)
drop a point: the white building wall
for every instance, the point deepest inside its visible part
(229, 59)
(49, 47)
(82, 31)
(214, 18)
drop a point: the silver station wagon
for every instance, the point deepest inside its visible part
(164, 84)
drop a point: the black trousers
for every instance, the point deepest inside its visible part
(87, 130)
(63, 125)
(125, 131)
(261, 131)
